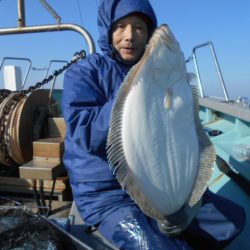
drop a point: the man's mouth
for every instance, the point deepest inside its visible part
(129, 49)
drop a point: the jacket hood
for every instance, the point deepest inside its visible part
(112, 10)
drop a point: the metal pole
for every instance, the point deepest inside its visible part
(49, 28)
(210, 44)
(219, 73)
(51, 11)
(21, 13)
(198, 74)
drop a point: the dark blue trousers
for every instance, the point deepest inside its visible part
(217, 223)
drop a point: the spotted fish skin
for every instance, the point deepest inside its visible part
(156, 145)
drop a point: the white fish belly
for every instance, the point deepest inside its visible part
(160, 142)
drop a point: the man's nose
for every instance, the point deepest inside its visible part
(129, 33)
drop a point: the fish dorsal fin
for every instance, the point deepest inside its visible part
(207, 154)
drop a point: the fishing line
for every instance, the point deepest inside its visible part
(78, 5)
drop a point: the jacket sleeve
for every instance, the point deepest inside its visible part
(86, 109)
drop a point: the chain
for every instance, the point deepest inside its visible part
(11, 105)
(8, 107)
(3, 94)
(77, 56)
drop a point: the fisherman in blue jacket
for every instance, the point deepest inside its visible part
(90, 87)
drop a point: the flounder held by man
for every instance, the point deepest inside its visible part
(156, 145)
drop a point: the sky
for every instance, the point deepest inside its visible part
(226, 23)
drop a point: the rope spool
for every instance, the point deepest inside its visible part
(19, 116)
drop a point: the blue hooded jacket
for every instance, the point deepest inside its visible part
(90, 87)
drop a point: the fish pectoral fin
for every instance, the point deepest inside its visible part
(168, 99)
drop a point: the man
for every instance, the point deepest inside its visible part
(89, 91)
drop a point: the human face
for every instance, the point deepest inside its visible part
(129, 38)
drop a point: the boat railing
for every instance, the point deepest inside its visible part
(54, 80)
(30, 67)
(19, 59)
(215, 60)
(23, 29)
(50, 64)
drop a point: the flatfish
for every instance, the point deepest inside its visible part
(156, 145)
